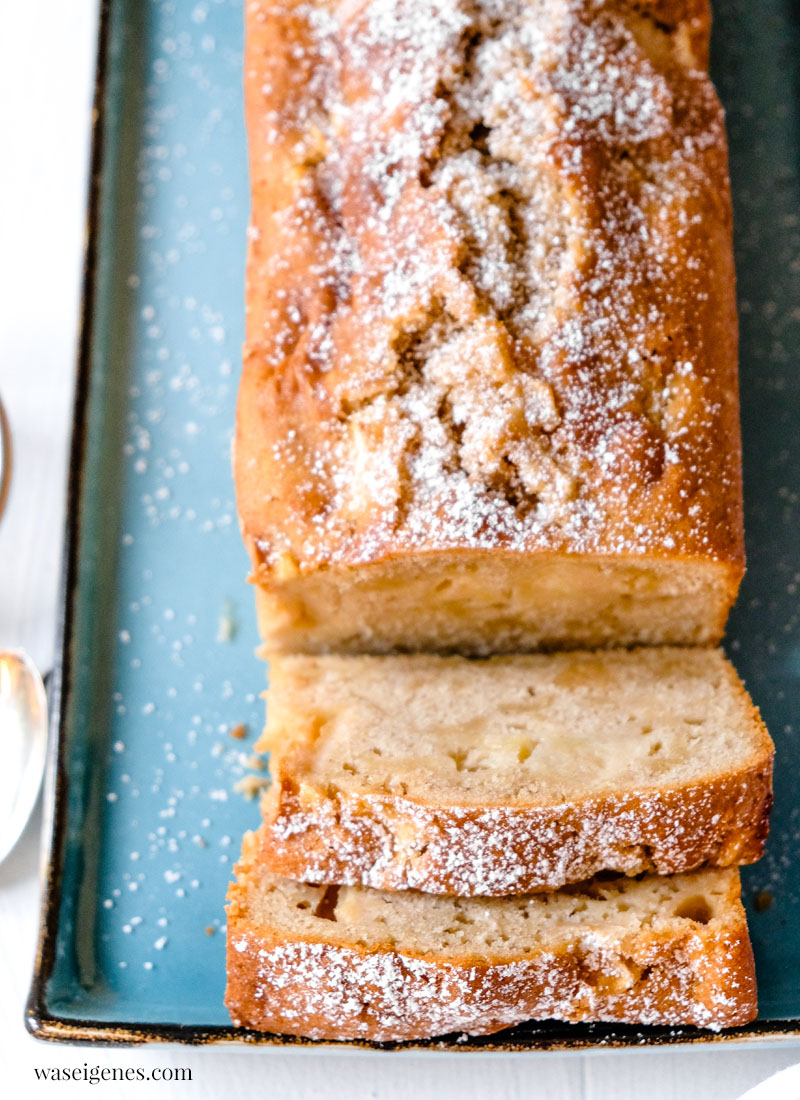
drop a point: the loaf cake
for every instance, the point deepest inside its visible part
(488, 406)
(511, 774)
(349, 963)
(489, 398)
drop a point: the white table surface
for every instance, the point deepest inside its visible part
(46, 70)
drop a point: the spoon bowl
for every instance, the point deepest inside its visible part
(5, 458)
(23, 738)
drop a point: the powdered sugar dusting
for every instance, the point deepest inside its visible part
(397, 844)
(488, 290)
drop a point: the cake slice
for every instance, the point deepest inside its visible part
(351, 963)
(511, 774)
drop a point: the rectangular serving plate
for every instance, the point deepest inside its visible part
(158, 634)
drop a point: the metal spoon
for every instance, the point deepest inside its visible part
(23, 712)
(5, 457)
(23, 743)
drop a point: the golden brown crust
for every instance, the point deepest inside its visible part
(607, 428)
(394, 843)
(702, 975)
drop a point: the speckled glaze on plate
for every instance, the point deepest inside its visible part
(157, 662)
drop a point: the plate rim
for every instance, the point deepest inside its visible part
(49, 1026)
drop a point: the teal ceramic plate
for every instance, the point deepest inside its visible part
(157, 660)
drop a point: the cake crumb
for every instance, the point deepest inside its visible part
(763, 900)
(251, 785)
(226, 626)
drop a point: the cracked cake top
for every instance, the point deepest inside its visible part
(490, 282)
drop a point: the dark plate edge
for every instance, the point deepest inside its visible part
(55, 790)
(39, 1021)
(590, 1038)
